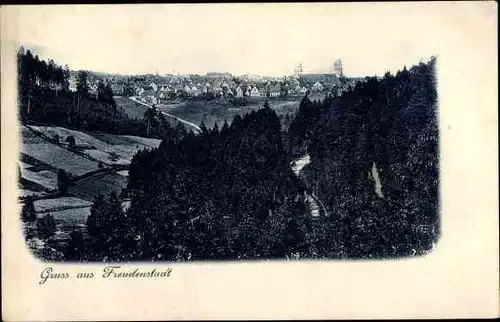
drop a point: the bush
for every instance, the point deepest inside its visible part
(63, 181)
(46, 226)
(71, 140)
(28, 211)
(75, 248)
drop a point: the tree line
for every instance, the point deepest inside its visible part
(45, 98)
(388, 124)
(226, 193)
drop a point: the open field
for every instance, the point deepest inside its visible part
(130, 108)
(59, 158)
(27, 192)
(125, 140)
(213, 111)
(107, 148)
(28, 137)
(174, 120)
(89, 189)
(59, 204)
(46, 179)
(123, 147)
(81, 138)
(210, 112)
(71, 216)
(24, 165)
(40, 161)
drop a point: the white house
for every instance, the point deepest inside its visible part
(174, 80)
(154, 86)
(301, 90)
(317, 87)
(72, 84)
(255, 92)
(239, 91)
(93, 90)
(195, 91)
(218, 90)
(139, 90)
(274, 91)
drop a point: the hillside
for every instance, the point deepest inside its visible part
(374, 162)
(96, 164)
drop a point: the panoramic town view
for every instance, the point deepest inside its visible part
(164, 165)
(92, 142)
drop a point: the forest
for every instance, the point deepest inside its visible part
(389, 123)
(226, 193)
(229, 192)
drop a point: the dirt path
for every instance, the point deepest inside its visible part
(314, 202)
(196, 127)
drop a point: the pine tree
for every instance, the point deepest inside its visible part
(76, 247)
(28, 211)
(46, 226)
(81, 83)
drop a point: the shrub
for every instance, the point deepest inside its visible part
(28, 211)
(46, 226)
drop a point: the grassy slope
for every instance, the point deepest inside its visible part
(210, 112)
(131, 109)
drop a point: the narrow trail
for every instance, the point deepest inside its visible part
(196, 127)
(314, 202)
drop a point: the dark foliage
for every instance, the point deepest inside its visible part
(229, 192)
(28, 211)
(63, 181)
(44, 97)
(390, 123)
(46, 226)
(222, 194)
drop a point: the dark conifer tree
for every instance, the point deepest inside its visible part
(28, 210)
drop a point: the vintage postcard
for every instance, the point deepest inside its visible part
(249, 161)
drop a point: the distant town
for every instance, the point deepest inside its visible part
(155, 89)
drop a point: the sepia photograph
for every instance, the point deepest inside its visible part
(220, 133)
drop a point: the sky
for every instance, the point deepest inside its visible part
(263, 39)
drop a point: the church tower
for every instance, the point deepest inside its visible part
(298, 70)
(338, 69)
